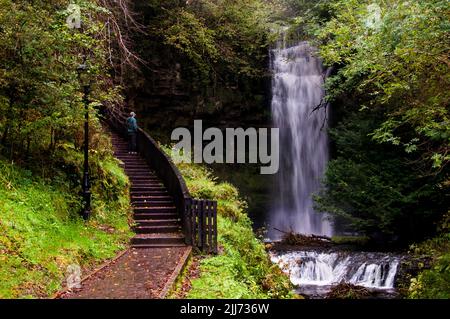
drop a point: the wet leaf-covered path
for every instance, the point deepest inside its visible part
(138, 274)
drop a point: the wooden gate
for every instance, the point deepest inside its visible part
(202, 224)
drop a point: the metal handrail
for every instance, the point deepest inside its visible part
(199, 217)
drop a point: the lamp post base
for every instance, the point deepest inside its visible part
(86, 212)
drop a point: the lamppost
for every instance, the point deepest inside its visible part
(85, 83)
(74, 22)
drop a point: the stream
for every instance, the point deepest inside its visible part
(315, 272)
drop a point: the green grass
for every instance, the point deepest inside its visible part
(243, 268)
(350, 240)
(41, 232)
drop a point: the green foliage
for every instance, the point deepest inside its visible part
(40, 95)
(224, 40)
(243, 268)
(306, 16)
(350, 240)
(42, 232)
(400, 63)
(41, 128)
(433, 283)
(373, 188)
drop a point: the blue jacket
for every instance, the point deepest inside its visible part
(131, 125)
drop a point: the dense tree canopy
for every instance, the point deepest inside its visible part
(221, 38)
(398, 61)
(40, 93)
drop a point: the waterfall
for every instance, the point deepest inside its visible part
(371, 270)
(297, 88)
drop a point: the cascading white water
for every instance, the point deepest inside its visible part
(297, 88)
(371, 270)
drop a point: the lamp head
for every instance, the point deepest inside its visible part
(83, 74)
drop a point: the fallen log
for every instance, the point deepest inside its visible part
(348, 291)
(281, 231)
(292, 238)
(321, 237)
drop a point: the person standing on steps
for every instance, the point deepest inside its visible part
(132, 132)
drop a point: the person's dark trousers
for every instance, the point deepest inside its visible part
(131, 142)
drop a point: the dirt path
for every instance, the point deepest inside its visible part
(138, 274)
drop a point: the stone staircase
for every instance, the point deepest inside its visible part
(155, 215)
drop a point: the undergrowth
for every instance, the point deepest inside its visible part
(42, 233)
(433, 283)
(242, 269)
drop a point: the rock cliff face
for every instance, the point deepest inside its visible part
(163, 92)
(166, 92)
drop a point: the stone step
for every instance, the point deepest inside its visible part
(147, 174)
(138, 170)
(136, 165)
(125, 154)
(150, 182)
(129, 164)
(146, 188)
(146, 182)
(137, 181)
(150, 198)
(140, 183)
(155, 216)
(140, 175)
(158, 222)
(150, 210)
(135, 162)
(135, 159)
(149, 193)
(156, 229)
(137, 246)
(132, 172)
(132, 159)
(128, 156)
(159, 239)
(141, 204)
(148, 185)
